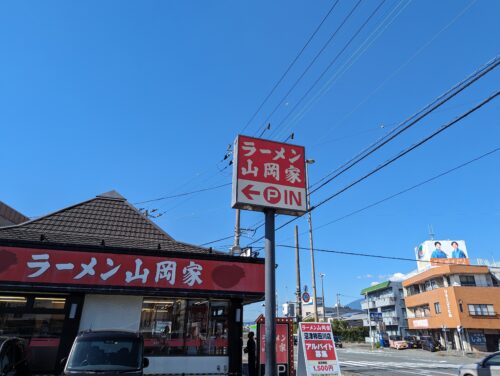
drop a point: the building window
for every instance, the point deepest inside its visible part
(437, 308)
(481, 310)
(467, 280)
(422, 311)
(184, 327)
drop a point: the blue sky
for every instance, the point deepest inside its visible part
(144, 98)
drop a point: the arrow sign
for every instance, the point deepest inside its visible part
(248, 192)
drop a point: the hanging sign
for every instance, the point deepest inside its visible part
(317, 355)
(269, 175)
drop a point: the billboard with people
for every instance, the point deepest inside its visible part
(438, 252)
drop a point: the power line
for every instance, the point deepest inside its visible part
(412, 57)
(365, 45)
(182, 194)
(448, 95)
(331, 63)
(435, 177)
(290, 66)
(393, 159)
(313, 61)
(363, 254)
(411, 121)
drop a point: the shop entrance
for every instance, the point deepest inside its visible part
(492, 342)
(48, 324)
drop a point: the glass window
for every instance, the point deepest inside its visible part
(493, 361)
(184, 327)
(12, 302)
(481, 310)
(467, 280)
(49, 303)
(31, 324)
(437, 307)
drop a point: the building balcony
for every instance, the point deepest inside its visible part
(386, 301)
(368, 305)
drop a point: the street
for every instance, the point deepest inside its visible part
(361, 361)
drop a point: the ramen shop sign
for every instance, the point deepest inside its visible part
(269, 175)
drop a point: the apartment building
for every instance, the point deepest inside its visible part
(457, 304)
(385, 299)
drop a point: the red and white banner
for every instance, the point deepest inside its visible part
(122, 270)
(269, 174)
(282, 341)
(317, 355)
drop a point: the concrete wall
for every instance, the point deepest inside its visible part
(111, 312)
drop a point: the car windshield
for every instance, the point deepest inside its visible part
(105, 354)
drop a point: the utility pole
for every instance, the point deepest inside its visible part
(338, 304)
(322, 275)
(298, 298)
(311, 243)
(235, 249)
(368, 318)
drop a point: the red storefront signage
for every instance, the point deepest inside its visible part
(123, 270)
(317, 355)
(284, 345)
(281, 343)
(269, 174)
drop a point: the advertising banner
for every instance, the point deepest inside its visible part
(440, 252)
(317, 354)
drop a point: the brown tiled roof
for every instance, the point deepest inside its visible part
(106, 220)
(10, 216)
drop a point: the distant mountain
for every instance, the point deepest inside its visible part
(355, 304)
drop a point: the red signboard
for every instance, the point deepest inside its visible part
(281, 343)
(317, 355)
(123, 270)
(269, 174)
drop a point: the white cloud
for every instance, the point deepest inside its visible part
(374, 283)
(397, 277)
(365, 276)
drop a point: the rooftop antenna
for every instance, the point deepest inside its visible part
(431, 232)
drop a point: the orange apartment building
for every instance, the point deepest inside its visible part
(457, 304)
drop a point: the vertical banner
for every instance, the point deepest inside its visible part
(284, 346)
(317, 355)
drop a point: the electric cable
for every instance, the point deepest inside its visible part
(435, 177)
(363, 254)
(329, 65)
(414, 119)
(391, 16)
(290, 66)
(312, 62)
(391, 160)
(183, 194)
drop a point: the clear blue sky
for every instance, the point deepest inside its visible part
(144, 97)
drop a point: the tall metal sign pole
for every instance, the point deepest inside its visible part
(270, 177)
(270, 294)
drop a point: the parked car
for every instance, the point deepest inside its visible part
(430, 344)
(396, 342)
(413, 342)
(338, 342)
(13, 357)
(489, 366)
(106, 352)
